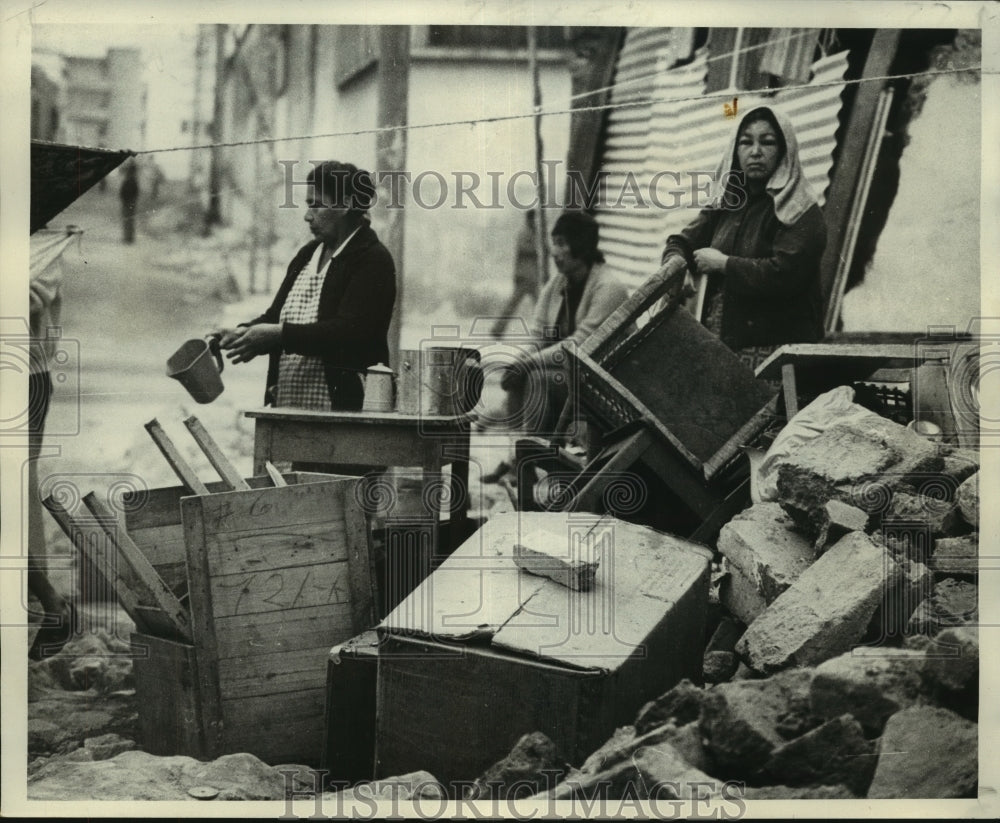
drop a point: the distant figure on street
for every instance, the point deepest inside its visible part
(129, 195)
(525, 273)
(156, 180)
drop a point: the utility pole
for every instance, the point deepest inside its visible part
(197, 171)
(213, 215)
(393, 81)
(541, 232)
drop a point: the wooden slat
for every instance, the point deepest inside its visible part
(137, 573)
(90, 540)
(284, 546)
(274, 474)
(180, 466)
(362, 564)
(281, 589)
(274, 632)
(273, 674)
(200, 597)
(227, 471)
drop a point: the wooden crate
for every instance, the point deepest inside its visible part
(482, 652)
(276, 577)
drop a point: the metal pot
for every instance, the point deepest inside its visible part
(445, 380)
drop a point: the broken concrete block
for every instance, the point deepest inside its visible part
(891, 620)
(106, 746)
(951, 661)
(419, 784)
(549, 554)
(858, 462)
(532, 761)
(939, 517)
(682, 705)
(769, 555)
(833, 753)
(826, 611)
(720, 661)
(625, 743)
(953, 603)
(834, 519)
(740, 719)
(967, 497)
(927, 752)
(955, 555)
(651, 772)
(738, 593)
(870, 683)
(793, 793)
(959, 464)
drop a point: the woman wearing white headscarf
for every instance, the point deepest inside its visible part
(760, 243)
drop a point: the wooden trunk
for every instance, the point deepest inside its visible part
(275, 577)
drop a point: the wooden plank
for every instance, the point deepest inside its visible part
(227, 471)
(300, 504)
(284, 546)
(200, 598)
(92, 543)
(790, 389)
(274, 474)
(271, 674)
(167, 697)
(272, 632)
(274, 735)
(361, 562)
(619, 456)
(174, 458)
(269, 590)
(844, 185)
(138, 574)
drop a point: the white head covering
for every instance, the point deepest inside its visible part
(792, 194)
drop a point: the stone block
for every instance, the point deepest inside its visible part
(720, 661)
(834, 519)
(826, 611)
(959, 464)
(682, 705)
(967, 497)
(953, 603)
(532, 761)
(870, 683)
(939, 517)
(650, 772)
(927, 752)
(740, 720)
(951, 661)
(739, 595)
(856, 462)
(955, 555)
(833, 753)
(106, 746)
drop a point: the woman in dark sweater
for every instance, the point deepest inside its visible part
(330, 318)
(759, 244)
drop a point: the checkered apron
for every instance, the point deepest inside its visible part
(301, 378)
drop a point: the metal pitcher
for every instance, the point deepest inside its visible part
(379, 389)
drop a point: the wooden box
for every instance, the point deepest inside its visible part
(482, 653)
(349, 726)
(276, 575)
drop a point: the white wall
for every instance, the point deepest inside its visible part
(926, 268)
(459, 262)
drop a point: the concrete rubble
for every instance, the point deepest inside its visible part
(842, 662)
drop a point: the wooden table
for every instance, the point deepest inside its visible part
(838, 362)
(373, 439)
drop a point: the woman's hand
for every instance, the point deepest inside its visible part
(261, 338)
(710, 261)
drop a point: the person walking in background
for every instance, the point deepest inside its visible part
(129, 195)
(525, 273)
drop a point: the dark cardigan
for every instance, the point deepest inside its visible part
(355, 307)
(771, 285)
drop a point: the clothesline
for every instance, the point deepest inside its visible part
(726, 95)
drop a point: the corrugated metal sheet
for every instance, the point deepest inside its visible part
(678, 144)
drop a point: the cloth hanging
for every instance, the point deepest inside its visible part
(789, 54)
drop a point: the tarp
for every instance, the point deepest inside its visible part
(60, 174)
